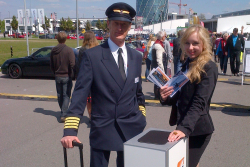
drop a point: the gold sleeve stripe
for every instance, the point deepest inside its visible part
(143, 110)
(72, 118)
(72, 127)
(75, 124)
(72, 121)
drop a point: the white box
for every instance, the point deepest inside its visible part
(141, 154)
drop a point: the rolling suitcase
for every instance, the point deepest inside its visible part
(80, 145)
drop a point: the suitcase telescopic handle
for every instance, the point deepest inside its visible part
(74, 143)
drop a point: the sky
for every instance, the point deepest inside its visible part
(96, 8)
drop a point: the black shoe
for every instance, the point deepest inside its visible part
(238, 74)
(62, 119)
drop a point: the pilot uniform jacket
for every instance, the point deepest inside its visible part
(115, 115)
(192, 103)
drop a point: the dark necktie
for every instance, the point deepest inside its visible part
(121, 64)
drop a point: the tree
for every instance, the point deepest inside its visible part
(87, 25)
(104, 26)
(79, 23)
(202, 16)
(69, 25)
(14, 23)
(98, 24)
(46, 23)
(2, 25)
(63, 24)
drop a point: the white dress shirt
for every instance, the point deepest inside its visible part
(114, 50)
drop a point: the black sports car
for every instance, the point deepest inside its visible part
(37, 64)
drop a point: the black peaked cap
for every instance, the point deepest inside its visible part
(120, 11)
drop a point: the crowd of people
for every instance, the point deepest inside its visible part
(108, 82)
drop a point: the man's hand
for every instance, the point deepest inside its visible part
(67, 141)
(166, 91)
(225, 53)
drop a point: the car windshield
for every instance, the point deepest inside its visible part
(43, 52)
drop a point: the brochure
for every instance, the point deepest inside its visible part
(178, 80)
(159, 78)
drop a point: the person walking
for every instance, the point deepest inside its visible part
(190, 106)
(62, 63)
(89, 41)
(159, 57)
(235, 44)
(217, 41)
(221, 50)
(148, 55)
(111, 72)
(168, 58)
(177, 51)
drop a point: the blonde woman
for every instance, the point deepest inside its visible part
(148, 54)
(191, 104)
(89, 41)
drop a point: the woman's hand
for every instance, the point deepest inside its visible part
(175, 135)
(166, 91)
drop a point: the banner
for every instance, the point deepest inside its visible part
(28, 16)
(20, 16)
(41, 16)
(34, 16)
(139, 23)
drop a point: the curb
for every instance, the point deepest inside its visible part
(149, 102)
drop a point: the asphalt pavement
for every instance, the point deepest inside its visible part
(30, 131)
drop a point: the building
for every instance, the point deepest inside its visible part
(54, 25)
(152, 11)
(226, 22)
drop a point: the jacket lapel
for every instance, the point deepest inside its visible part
(110, 64)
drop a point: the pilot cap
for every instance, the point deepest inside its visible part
(120, 11)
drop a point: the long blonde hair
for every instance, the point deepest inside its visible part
(89, 40)
(196, 67)
(151, 38)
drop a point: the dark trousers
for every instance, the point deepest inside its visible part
(157, 92)
(100, 158)
(148, 65)
(63, 88)
(197, 146)
(177, 64)
(235, 56)
(223, 63)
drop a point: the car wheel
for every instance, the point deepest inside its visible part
(15, 71)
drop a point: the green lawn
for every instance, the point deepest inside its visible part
(20, 48)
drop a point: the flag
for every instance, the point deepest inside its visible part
(34, 16)
(20, 16)
(28, 16)
(41, 16)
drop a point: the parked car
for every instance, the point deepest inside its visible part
(37, 64)
(48, 36)
(139, 50)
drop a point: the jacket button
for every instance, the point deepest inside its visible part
(112, 91)
(132, 89)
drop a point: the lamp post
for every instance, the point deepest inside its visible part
(161, 20)
(27, 40)
(77, 33)
(9, 14)
(153, 20)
